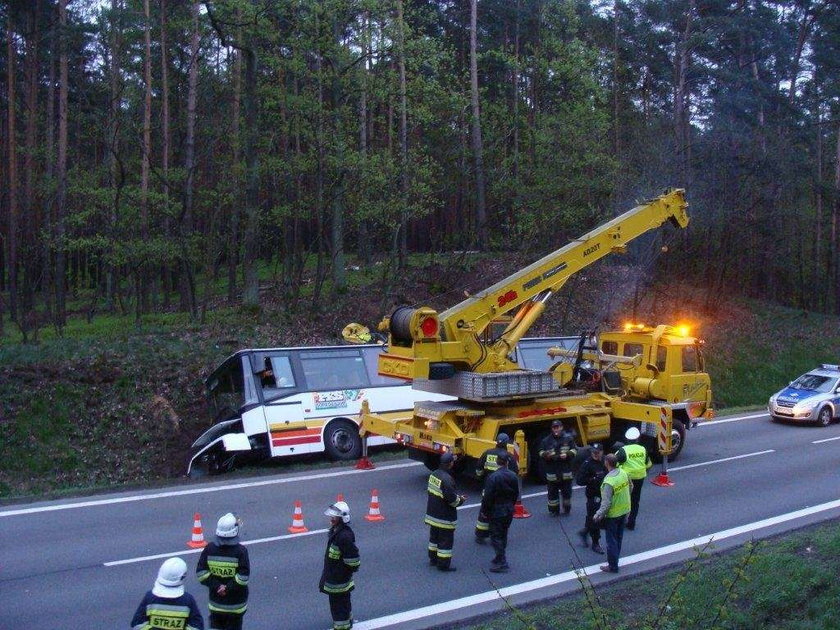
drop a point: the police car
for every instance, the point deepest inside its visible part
(813, 397)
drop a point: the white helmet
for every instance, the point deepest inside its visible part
(170, 578)
(632, 434)
(228, 526)
(339, 509)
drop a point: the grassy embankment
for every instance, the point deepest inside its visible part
(112, 403)
(777, 584)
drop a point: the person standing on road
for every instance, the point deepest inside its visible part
(341, 561)
(590, 476)
(167, 605)
(442, 513)
(635, 461)
(615, 505)
(558, 451)
(497, 503)
(488, 463)
(223, 567)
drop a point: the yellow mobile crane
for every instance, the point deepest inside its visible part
(645, 376)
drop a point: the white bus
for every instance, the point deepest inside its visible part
(277, 402)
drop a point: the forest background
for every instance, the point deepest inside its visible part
(154, 147)
(181, 179)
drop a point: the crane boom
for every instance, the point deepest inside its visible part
(423, 344)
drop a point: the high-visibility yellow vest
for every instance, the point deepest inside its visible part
(620, 483)
(637, 461)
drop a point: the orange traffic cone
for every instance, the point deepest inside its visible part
(339, 497)
(297, 520)
(373, 513)
(197, 541)
(520, 511)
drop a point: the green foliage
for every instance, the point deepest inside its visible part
(787, 582)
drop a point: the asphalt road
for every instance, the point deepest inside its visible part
(86, 563)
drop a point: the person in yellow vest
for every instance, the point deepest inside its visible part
(615, 506)
(634, 459)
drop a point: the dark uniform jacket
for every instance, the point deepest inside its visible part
(341, 561)
(590, 476)
(488, 462)
(550, 450)
(167, 612)
(443, 500)
(500, 493)
(225, 563)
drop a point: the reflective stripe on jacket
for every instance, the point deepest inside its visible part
(442, 501)
(341, 561)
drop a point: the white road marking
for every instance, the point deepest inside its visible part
(826, 440)
(568, 576)
(707, 423)
(718, 461)
(203, 490)
(185, 552)
(264, 482)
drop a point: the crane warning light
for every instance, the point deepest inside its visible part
(429, 326)
(683, 330)
(628, 326)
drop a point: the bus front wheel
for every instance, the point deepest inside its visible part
(342, 440)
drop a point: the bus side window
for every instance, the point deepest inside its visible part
(282, 369)
(325, 371)
(371, 356)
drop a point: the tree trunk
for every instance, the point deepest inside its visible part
(233, 242)
(31, 211)
(364, 244)
(478, 148)
(61, 171)
(185, 225)
(251, 294)
(145, 164)
(681, 128)
(835, 217)
(115, 182)
(167, 142)
(402, 243)
(12, 248)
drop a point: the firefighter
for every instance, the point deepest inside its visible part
(223, 567)
(497, 503)
(590, 476)
(341, 561)
(635, 461)
(167, 605)
(442, 513)
(487, 464)
(615, 506)
(558, 451)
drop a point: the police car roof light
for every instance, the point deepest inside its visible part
(830, 366)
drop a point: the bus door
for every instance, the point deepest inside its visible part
(282, 403)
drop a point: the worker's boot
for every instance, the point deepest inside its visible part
(584, 537)
(596, 547)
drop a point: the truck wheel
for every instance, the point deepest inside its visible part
(677, 443)
(824, 417)
(342, 440)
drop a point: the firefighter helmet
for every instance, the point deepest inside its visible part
(228, 526)
(339, 509)
(170, 578)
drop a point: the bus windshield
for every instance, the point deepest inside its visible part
(226, 387)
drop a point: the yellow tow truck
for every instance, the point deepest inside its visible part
(650, 377)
